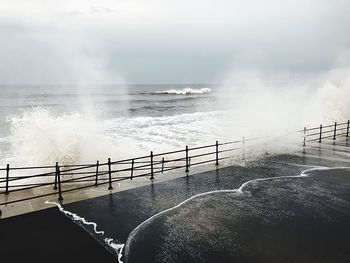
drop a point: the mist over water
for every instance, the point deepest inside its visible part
(74, 124)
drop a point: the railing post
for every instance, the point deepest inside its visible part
(55, 186)
(320, 138)
(162, 164)
(335, 130)
(58, 173)
(96, 178)
(132, 169)
(152, 177)
(217, 153)
(243, 148)
(187, 170)
(7, 179)
(347, 129)
(110, 174)
(304, 143)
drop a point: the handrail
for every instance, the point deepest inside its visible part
(81, 176)
(325, 132)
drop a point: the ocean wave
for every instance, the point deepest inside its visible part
(186, 91)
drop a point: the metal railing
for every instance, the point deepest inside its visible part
(318, 134)
(68, 178)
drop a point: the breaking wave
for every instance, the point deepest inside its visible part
(186, 91)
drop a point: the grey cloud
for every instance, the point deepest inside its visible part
(183, 45)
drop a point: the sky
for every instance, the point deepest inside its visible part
(167, 41)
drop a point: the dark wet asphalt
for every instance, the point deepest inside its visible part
(119, 213)
(281, 220)
(48, 236)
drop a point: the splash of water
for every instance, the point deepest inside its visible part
(270, 103)
(257, 105)
(40, 137)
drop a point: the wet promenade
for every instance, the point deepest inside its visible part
(278, 220)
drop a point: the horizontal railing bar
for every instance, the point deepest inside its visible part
(202, 154)
(326, 137)
(312, 134)
(327, 126)
(344, 133)
(175, 160)
(326, 131)
(211, 153)
(31, 167)
(312, 140)
(341, 129)
(130, 159)
(230, 150)
(83, 180)
(31, 184)
(30, 176)
(210, 161)
(128, 163)
(141, 162)
(77, 173)
(202, 147)
(78, 165)
(202, 162)
(232, 142)
(168, 153)
(129, 169)
(81, 168)
(28, 188)
(75, 179)
(310, 129)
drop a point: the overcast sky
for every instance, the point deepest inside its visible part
(167, 41)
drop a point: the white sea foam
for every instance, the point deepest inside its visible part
(40, 137)
(117, 247)
(186, 91)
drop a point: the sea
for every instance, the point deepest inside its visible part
(81, 123)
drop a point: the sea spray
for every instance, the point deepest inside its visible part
(113, 244)
(249, 104)
(40, 137)
(273, 102)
